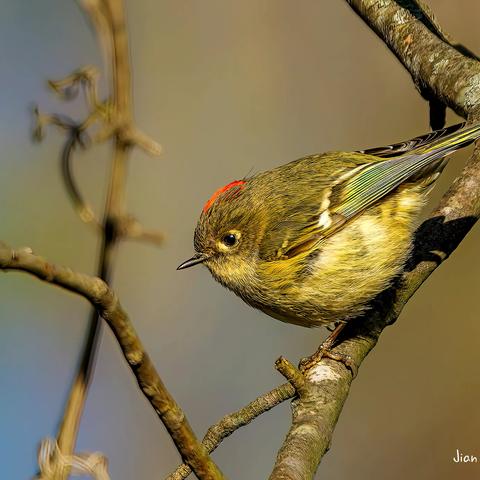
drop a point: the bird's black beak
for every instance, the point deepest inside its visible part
(195, 260)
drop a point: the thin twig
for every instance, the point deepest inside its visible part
(118, 120)
(107, 305)
(114, 207)
(292, 374)
(233, 421)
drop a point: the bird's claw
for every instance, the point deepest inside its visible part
(325, 352)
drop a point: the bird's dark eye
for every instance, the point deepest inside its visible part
(229, 239)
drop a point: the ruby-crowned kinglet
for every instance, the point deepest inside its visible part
(313, 241)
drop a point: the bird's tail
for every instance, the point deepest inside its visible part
(379, 178)
(449, 143)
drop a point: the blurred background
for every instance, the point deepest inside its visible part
(227, 88)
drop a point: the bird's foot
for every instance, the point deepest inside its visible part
(308, 362)
(325, 351)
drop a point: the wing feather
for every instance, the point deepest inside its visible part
(337, 190)
(378, 179)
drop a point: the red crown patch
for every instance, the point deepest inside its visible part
(217, 193)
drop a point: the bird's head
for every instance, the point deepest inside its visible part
(228, 235)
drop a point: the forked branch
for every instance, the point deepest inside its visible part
(107, 305)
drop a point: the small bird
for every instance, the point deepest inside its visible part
(313, 241)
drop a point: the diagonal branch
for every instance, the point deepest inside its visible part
(107, 305)
(433, 64)
(422, 12)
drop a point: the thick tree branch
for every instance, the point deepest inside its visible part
(422, 12)
(107, 305)
(434, 65)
